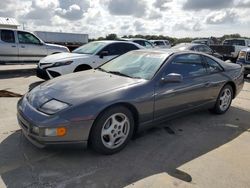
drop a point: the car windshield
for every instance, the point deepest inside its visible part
(182, 46)
(136, 64)
(90, 48)
(234, 42)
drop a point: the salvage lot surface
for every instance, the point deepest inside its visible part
(197, 150)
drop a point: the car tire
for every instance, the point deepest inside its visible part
(224, 100)
(112, 130)
(245, 75)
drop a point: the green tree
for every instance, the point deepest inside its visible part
(111, 36)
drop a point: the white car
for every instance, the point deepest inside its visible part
(161, 43)
(86, 57)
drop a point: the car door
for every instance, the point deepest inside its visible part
(215, 78)
(172, 98)
(30, 47)
(8, 46)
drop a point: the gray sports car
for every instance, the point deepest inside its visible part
(106, 106)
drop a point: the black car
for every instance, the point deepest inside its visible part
(199, 48)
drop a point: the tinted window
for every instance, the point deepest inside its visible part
(142, 43)
(114, 49)
(187, 65)
(159, 43)
(212, 65)
(27, 38)
(127, 47)
(7, 36)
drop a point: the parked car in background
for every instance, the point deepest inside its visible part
(197, 47)
(161, 43)
(231, 48)
(143, 42)
(106, 106)
(86, 57)
(244, 59)
(17, 45)
(205, 41)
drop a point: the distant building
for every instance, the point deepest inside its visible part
(9, 23)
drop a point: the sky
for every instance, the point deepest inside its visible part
(174, 18)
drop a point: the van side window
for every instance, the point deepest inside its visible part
(7, 36)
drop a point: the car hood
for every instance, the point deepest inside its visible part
(64, 56)
(84, 86)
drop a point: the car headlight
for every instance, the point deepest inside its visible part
(53, 106)
(58, 64)
(242, 55)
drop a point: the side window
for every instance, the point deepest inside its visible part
(207, 50)
(188, 65)
(213, 66)
(113, 49)
(127, 47)
(195, 48)
(27, 38)
(166, 42)
(148, 45)
(140, 42)
(8, 36)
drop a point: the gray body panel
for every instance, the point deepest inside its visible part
(91, 92)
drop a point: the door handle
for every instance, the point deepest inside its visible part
(22, 46)
(13, 46)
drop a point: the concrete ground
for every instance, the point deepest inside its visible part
(197, 150)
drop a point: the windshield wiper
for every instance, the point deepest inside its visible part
(116, 73)
(119, 73)
(101, 69)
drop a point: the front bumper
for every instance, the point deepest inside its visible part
(247, 69)
(245, 64)
(46, 74)
(77, 132)
(41, 73)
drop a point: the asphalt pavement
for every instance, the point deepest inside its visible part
(197, 150)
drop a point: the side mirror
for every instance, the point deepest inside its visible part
(172, 78)
(103, 53)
